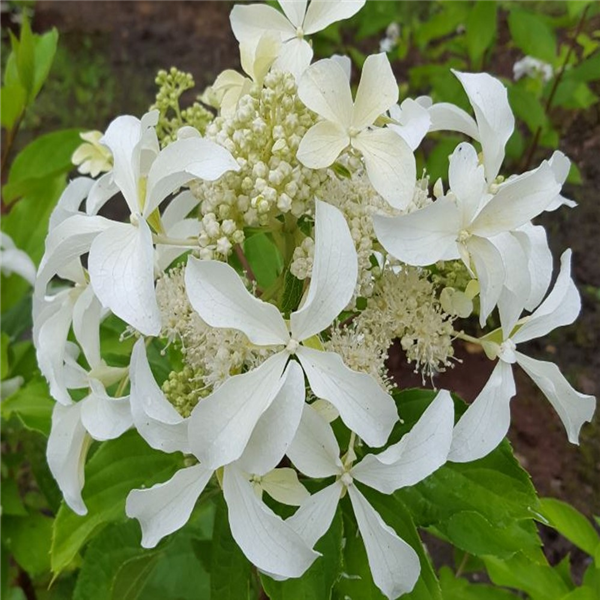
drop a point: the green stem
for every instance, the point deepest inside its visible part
(461, 335)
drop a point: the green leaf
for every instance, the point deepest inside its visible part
(113, 471)
(45, 49)
(495, 487)
(264, 258)
(26, 59)
(574, 95)
(11, 499)
(107, 553)
(481, 29)
(527, 106)
(12, 104)
(292, 293)
(540, 581)
(532, 35)
(322, 575)
(230, 570)
(131, 577)
(456, 588)
(570, 523)
(5, 369)
(46, 157)
(32, 404)
(28, 539)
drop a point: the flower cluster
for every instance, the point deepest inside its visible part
(278, 249)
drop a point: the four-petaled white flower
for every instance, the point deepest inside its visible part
(222, 424)
(121, 255)
(325, 89)
(472, 224)
(316, 453)
(487, 419)
(267, 541)
(249, 23)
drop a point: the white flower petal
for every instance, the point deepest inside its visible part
(312, 520)
(183, 230)
(181, 161)
(166, 507)
(121, 267)
(517, 284)
(487, 419)
(495, 121)
(422, 237)
(66, 451)
(221, 424)
(364, 407)
(70, 200)
(294, 10)
(314, 450)
(573, 407)
(102, 191)
(277, 426)
(561, 166)
(249, 23)
(561, 307)
(104, 417)
(154, 417)
(516, 202)
(66, 242)
(377, 91)
(178, 209)
(394, 564)
(51, 328)
(322, 144)
(87, 313)
(322, 13)
(266, 540)
(467, 180)
(390, 165)
(448, 117)
(283, 485)
(418, 454)
(218, 295)
(123, 138)
(294, 56)
(534, 241)
(17, 261)
(414, 122)
(490, 273)
(334, 273)
(325, 89)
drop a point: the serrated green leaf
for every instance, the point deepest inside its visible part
(264, 258)
(318, 581)
(540, 581)
(481, 29)
(106, 555)
(131, 577)
(32, 404)
(46, 157)
(114, 470)
(532, 35)
(28, 539)
(230, 570)
(12, 104)
(570, 523)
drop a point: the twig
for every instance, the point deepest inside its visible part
(245, 264)
(557, 80)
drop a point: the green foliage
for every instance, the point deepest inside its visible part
(319, 580)
(117, 467)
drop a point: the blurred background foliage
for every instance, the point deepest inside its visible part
(483, 545)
